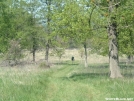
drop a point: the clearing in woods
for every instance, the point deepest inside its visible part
(65, 82)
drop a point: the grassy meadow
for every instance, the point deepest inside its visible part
(65, 81)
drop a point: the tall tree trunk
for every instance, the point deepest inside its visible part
(34, 46)
(85, 51)
(113, 53)
(48, 3)
(34, 50)
(33, 55)
(113, 45)
(47, 52)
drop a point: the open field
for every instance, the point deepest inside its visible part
(65, 81)
(92, 58)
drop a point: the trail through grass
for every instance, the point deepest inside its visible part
(76, 83)
(64, 82)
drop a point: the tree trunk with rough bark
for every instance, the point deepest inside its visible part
(113, 45)
(33, 55)
(85, 49)
(47, 52)
(113, 54)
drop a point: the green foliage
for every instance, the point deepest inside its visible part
(5, 26)
(72, 22)
(16, 21)
(62, 23)
(123, 14)
(125, 28)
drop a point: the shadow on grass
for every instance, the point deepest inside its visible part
(124, 65)
(128, 75)
(66, 63)
(99, 71)
(106, 65)
(98, 66)
(88, 75)
(127, 70)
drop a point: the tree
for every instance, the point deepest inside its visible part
(72, 23)
(10, 22)
(19, 22)
(115, 8)
(31, 29)
(113, 42)
(46, 12)
(112, 9)
(5, 26)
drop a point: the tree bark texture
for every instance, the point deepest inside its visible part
(85, 49)
(47, 52)
(113, 45)
(33, 55)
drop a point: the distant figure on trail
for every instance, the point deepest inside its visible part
(72, 59)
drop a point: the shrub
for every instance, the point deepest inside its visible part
(14, 53)
(44, 65)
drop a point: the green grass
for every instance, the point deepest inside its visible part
(22, 85)
(65, 82)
